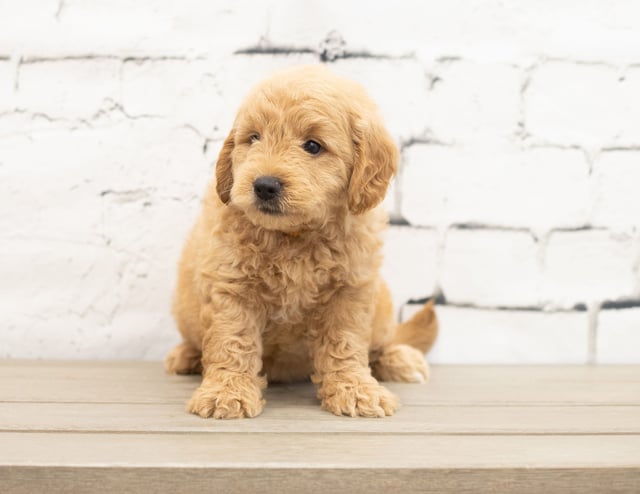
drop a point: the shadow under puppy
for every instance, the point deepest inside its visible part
(279, 278)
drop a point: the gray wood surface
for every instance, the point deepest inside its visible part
(122, 427)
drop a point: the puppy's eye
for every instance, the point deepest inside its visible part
(254, 138)
(312, 147)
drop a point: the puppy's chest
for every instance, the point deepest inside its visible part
(291, 284)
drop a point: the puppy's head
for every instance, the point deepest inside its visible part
(305, 145)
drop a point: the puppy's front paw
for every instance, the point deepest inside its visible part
(364, 399)
(237, 398)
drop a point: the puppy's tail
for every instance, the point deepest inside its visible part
(421, 330)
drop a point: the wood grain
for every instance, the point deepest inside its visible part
(296, 416)
(122, 427)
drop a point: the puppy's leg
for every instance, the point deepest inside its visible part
(231, 358)
(398, 351)
(402, 363)
(340, 350)
(184, 359)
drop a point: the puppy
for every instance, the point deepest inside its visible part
(279, 278)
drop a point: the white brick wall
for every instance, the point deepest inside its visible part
(618, 339)
(413, 274)
(590, 266)
(474, 101)
(6, 85)
(72, 89)
(499, 186)
(490, 268)
(617, 202)
(516, 204)
(509, 337)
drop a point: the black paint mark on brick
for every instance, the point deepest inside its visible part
(620, 304)
(398, 221)
(273, 50)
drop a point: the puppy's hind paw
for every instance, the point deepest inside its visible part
(183, 359)
(401, 363)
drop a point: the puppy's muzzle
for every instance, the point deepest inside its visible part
(268, 191)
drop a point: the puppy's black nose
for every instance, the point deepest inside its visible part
(267, 188)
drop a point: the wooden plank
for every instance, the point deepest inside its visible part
(302, 418)
(343, 450)
(122, 427)
(27, 480)
(145, 382)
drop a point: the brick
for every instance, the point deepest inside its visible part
(25, 24)
(399, 88)
(589, 266)
(60, 278)
(618, 336)
(241, 73)
(478, 336)
(570, 103)
(158, 28)
(181, 90)
(360, 27)
(6, 86)
(43, 198)
(93, 241)
(410, 263)
(629, 109)
(490, 268)
(74, 88)
(539, 188)
(618, 202)
(130, 161)
(403, 112)
(474, 101)
(495, 31)
(85, 301)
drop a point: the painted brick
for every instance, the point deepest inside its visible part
(539, 188)
(159, 28)
(474, 101)
(492, 30)
(618, 336)
(25, 23)
(404, 112)
(181, 90)
(618, 201)
(92, 242)
(490, 268)
(410, 263)
(109, 138)
(629, 109)
(71, 284)
(569, 103)
(135, 161)
(238, 76)
(477, 336)
(74, 88)
(589, 266)
(6, 86)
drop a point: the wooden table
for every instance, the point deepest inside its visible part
(122, 427)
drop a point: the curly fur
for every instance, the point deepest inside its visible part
(296, 294)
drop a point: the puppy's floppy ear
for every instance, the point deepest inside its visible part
(376, 161)
(224, 177)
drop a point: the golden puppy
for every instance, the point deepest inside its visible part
(279, 278)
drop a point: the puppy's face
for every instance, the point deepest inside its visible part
(305, 145)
